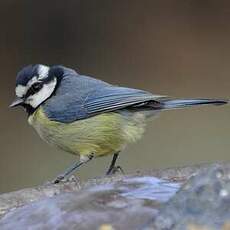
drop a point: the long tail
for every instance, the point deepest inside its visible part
(181, 103)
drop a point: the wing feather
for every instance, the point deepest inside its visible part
(114, 98)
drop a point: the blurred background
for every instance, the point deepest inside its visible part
(179, 48)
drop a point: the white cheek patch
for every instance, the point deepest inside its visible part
(36, 99)
(43, 71)
(20, 90)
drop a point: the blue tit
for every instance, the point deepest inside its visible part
(85, 116)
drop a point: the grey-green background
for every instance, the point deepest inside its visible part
(179, 48)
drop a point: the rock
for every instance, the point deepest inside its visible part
(13, 200)
(203, 201)
(130, 202)
(192, 198)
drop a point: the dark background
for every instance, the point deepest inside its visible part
(178, 48)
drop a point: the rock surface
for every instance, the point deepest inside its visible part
(163, 199)
(12, 200)
(203, 201)
(129, 202)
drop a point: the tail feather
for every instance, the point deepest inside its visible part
(181, 103)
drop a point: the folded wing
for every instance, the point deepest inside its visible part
(79, 104)
(115, 98)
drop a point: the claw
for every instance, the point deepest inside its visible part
(115, 169)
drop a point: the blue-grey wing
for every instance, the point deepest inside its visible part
(82, 97)
(115, 98)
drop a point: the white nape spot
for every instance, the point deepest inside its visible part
(43, 71)
(20, 90)
(36, 99)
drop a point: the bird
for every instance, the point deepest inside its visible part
(86, 116)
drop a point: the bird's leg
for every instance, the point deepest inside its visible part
(112, 168)
(73, 168)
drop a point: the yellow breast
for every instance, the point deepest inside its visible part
(102, 134)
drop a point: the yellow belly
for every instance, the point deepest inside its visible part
(101, 135)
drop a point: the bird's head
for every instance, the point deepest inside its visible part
(34, 85)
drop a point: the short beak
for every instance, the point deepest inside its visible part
(17, 101)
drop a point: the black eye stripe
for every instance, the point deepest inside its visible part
(34, 89)
(36, 86)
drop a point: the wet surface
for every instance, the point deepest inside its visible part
(146, 187)
(150, 188)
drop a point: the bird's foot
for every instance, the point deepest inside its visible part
(114, 170)
(58, 179)
(62, 178)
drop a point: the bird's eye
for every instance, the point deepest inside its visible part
(36, 86)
